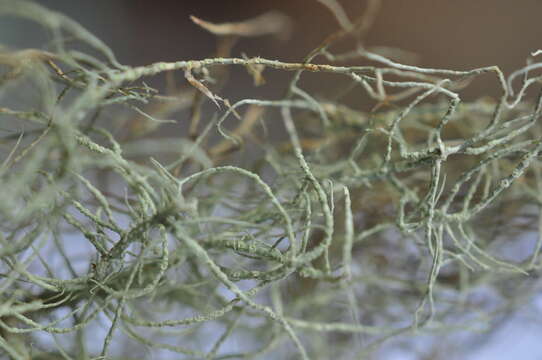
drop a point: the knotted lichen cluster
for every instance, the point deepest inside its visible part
(417, 215)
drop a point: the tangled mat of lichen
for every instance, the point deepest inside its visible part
(219, 240)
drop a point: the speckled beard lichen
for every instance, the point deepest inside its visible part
(384, 223)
